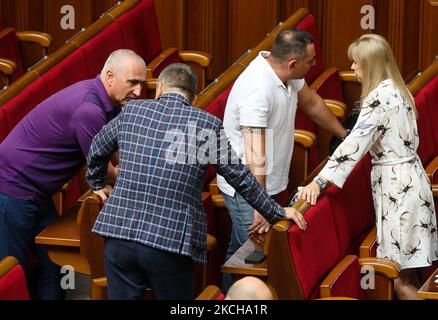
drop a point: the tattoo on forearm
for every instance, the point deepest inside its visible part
(253, 130)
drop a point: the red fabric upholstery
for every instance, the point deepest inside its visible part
(309, 24)
(426, 149)
(9, 49)
(97, 49)
(220, 296)
(315, 251)
(331, 87)
(13, 285)
(139, 30)
(353, 210)
(431, 92)
(67, 72)
(173, 57)
(347, 284)
(217, 106)
(16, 108)
(4, 127)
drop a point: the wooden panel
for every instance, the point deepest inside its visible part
(336, 35)
(429, 30)
(207, 30)
(83, 17)
(170, 15)
(250, 21)
(411, 41)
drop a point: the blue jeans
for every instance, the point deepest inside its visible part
(131, 267)
(20, 222)
(242, 216)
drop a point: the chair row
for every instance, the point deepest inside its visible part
(131, 24)
(12, 65)
(70, 241)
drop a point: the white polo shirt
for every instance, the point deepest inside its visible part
(260, 99)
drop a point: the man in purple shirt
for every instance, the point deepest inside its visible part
(48, 147)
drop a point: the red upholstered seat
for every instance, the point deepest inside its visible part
(67, 72)
(353, 209)
(316, 251)
(347, 281)
(141, 20)
(309, 24)
(431, 93)
(22, 104)
(217, 106)
(4, 127)
(97, 49)
(427, 147)
(9, 49)
(171, 56)
(12, 280)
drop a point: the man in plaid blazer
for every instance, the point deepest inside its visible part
(153, 222)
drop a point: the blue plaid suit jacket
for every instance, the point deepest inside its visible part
(165, 148)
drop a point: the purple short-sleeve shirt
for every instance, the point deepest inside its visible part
(50, 144)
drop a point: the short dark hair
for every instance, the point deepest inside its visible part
(180, 77)
(291, 42)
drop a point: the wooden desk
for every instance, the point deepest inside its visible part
(238, 268)
(62, 239)
(429, 290)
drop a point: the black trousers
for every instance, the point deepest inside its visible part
(132, 267)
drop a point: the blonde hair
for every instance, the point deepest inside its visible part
(376, 60)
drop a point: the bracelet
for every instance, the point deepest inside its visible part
(321, 183)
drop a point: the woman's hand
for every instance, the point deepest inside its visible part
(311, 192)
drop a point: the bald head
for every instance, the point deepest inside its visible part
(120, 59)
(123, 76)
(249, 288)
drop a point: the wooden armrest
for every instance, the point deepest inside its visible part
(390, 269)
(368, 243)
(306, 138)
(337, 107)
(209, 293)
(284, 225)
(201, 58)
(322, 78)
(216, 197)
(7, 264)
(41, 38)
(7, 67)
(211, 242)
(432, 168)
(348, 76)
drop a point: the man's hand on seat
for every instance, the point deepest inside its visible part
(104, 193)
(296, 216)
(260, 225)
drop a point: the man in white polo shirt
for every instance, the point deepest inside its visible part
(259, 121)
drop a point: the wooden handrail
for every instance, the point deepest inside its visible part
(231, 74)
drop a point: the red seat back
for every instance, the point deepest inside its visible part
(316, 251)
(353, 209)
(141, 20)
(9, 49)
(12, 280)
(217, 106)
(347, 282)
(309, 24)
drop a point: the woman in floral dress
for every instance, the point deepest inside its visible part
(387, 128)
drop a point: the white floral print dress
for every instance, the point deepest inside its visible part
(403, 200)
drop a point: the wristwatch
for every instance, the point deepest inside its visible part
(321, 183)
